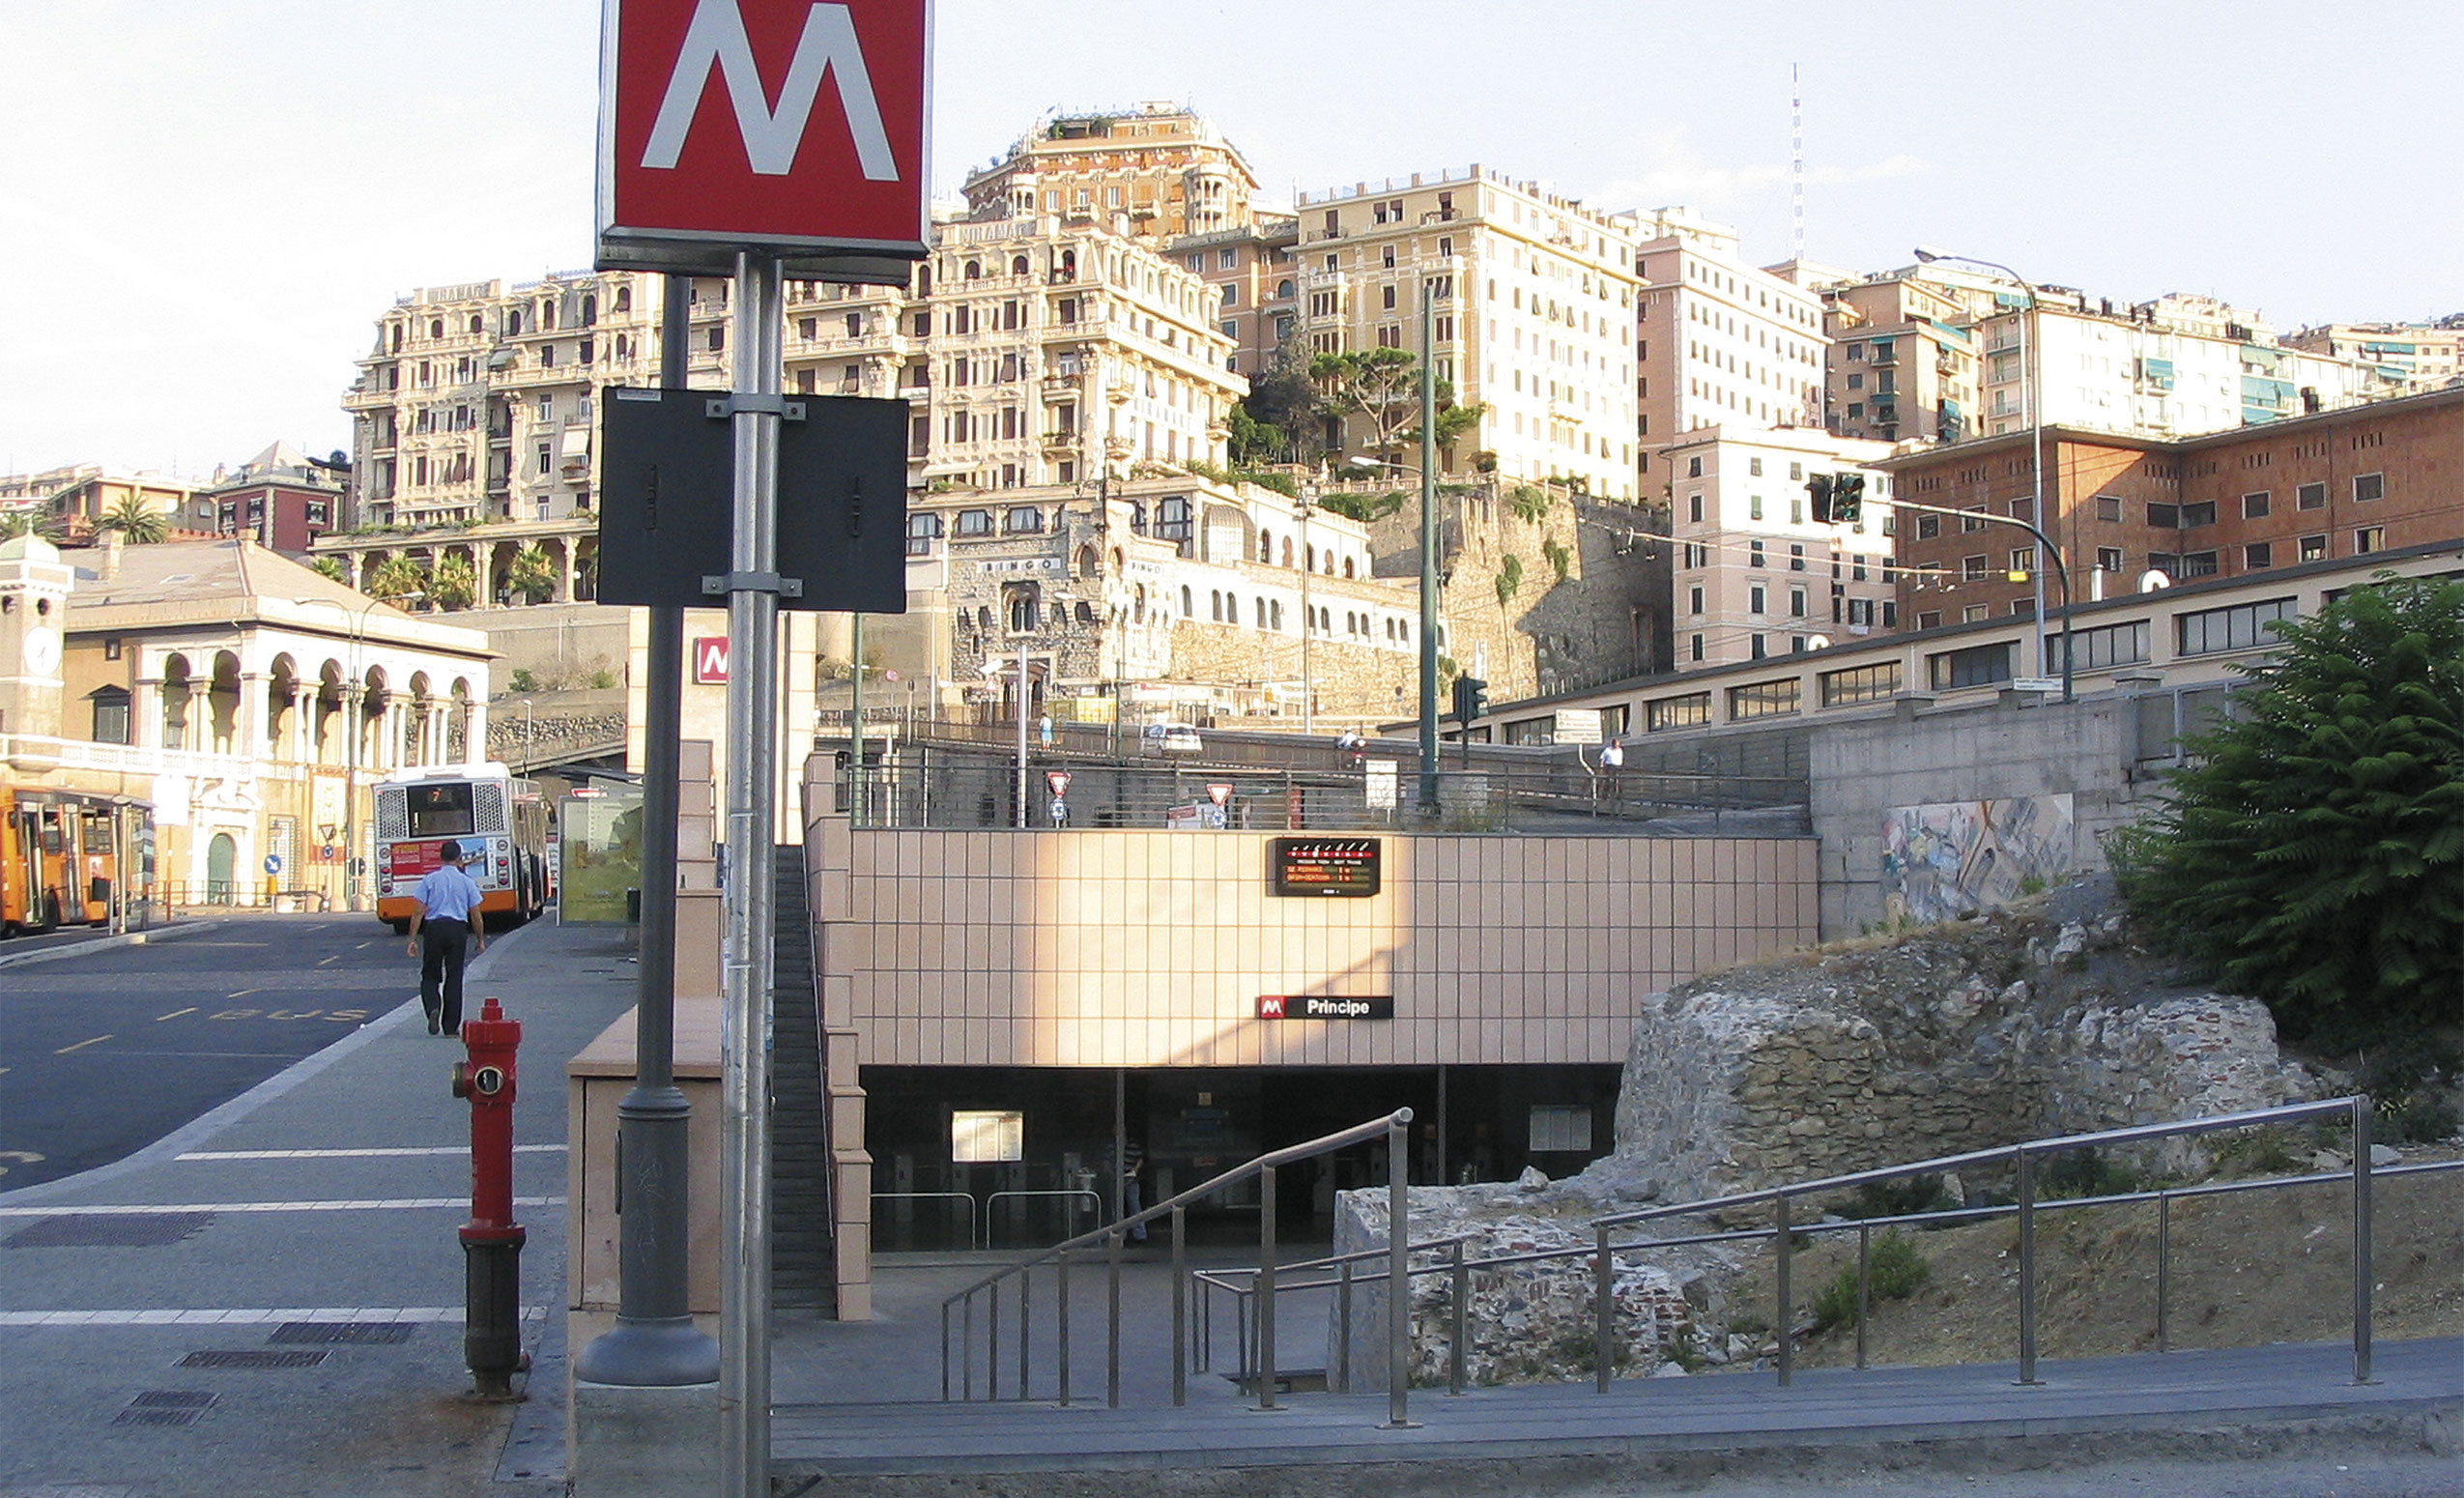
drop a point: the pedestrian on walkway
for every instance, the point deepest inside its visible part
(444, 923)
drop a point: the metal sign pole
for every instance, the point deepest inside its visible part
(744, 1034)
(654, 1342)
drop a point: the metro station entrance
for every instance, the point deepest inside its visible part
(1002, 1158)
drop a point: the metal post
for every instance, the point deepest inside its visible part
(856, 723)
(1025, 1321)
(1022, 734)
(1461, 1290)
(966, 1347)
(945, 1352)
(1603, 1312)
(1398, 1273)
(744, 1033)
(1782, 1322)
(654, 1342)
(993, 1344)
(1120, 1141)
(1266, 1288)
(2163, 1271)
(1442, 1177)
(2363, 1110)
(1113, 1327)
(1180, 1307)
(2027, 1266)
(1428, 554)
(1343, 1327)
(1061, 1314)
(1864, 1302)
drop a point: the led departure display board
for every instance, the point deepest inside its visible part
(1340, 866)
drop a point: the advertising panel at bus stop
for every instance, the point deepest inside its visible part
(786, 127)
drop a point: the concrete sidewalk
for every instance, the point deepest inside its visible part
(270, 1299)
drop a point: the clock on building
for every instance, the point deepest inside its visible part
(42, 649)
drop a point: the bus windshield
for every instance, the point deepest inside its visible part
(441, 811)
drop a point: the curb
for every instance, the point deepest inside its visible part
(215, 1120)
(134, 939)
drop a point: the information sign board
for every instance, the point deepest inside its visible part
(1340, 866)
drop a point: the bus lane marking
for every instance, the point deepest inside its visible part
(244, 992)
(81, 1044)
(175, 1014)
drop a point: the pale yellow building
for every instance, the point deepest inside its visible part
(1164, 170)
(1533, 316)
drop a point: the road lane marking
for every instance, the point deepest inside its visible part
(81, 1044)
(244, 992)
(175, 1014)
(382, 1152)
(335, 958)
(360, 1204)
(248, 1317)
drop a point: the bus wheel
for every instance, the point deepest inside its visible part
(401, 928)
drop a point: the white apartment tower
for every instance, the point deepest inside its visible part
(1717, 342)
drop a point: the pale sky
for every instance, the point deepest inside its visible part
(206, 204)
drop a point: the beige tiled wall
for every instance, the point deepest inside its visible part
(1135, 948)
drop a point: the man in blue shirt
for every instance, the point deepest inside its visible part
(445, 920)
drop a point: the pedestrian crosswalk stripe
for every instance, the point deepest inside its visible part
(373, 1153)
(358, 1204)
(247, 1316)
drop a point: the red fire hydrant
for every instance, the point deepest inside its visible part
(492, 1240)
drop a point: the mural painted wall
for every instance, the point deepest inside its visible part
(1942, 861)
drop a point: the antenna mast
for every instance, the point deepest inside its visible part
(1796, 142)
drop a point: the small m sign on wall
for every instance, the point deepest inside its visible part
(796, 128)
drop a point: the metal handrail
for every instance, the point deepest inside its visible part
(2023, 1157)
(1112, 1236)
(1094, 1200)
(1461, 1268)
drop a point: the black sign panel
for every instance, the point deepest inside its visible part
(1326, 1006)
(1340, 866)
(665, 504)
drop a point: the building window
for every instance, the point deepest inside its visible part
(1764, 699)
(2237, 628)
(1928, 527)
(2109, 508)
(1796, 555)
(1796, 603)
(1693, 508)
(1023, 520)
(1694, 598)
(1694, 468)
(1975, 570)
(1860, 684)
(2203, 513)
(1698, 648)
(2310, 497)
(1753, 600)
(922, 530)
(1754, 508)
(1972, 519)
(975, 522)
(2108, 559)
(110, 715)
(2369, 538)
(2313, 548)
(2256, 556)
(2367, 487)
(2022, 563)
(2164, 517)
(1754, 554)
(1979, 665)
(2254, 506)
(1689, 712)
(1022, 604)
(2114, 644)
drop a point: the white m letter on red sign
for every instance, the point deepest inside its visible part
(771, 138)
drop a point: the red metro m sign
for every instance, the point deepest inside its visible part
(787, 127)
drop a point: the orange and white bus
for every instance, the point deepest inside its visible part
(497, 817)
(62, 858)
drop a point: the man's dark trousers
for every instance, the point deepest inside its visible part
(443, 948)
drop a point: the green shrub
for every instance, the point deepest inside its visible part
(1893, 1271)
(2085, 1172)
(1901, 1198)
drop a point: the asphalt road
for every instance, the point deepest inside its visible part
(104, 1052)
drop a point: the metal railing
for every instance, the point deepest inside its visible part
(932, 1196)
(1071, 1194)
(1253, 1288)
(2023, 1159)
(1112, 1238)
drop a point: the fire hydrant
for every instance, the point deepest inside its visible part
(492, 1240)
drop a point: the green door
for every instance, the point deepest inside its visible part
(220, 854)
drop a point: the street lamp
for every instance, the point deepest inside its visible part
(2031, 343)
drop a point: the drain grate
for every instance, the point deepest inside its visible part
(111, 1231)
(359, 1333)
(253, 1357)
(166, 1407)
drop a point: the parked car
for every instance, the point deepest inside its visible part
(1170, 739)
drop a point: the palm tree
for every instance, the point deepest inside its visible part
(34, 521)
(453, 584)
(138, 523)
(330, 568)
(531, 575)
(396, 578)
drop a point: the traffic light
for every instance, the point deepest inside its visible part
(1470, 697)
(1848, 498)
(1819, 489)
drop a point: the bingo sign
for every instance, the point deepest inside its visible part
(1343, 867)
